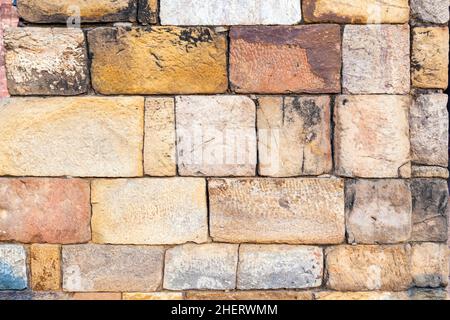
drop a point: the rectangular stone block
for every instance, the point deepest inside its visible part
(429, 264)
(359, 11)
(159, 144)
(279, 267)
(79, 136)
(361, 295)
(429, 215)
(429, 172)
(209, 266)
(294, 136)
(429, 61)
(433, 11)
(378, 211)
(46, 61)
(249, 295)
(167, 295)
(158, 60)
(428, 121)
(67, 11)
(13, 267)
(277, 210)
(371, 136)
(148, 11)
(278, 59)
(361, 268)
(149, 211)
(216, 135)
(229, 12)
(376, 59)
(45, 264)
(103, 268)
(43, 210)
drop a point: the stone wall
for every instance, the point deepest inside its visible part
(224, 149)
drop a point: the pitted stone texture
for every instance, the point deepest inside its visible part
(356, 11)
(68, 11)
(149, 211)
(429, 172)
(45, 264)
(42, 210)
(434, 11)
(360, 268)
(428, 120)
(277, 59)
(216, 135)
(279, 267)
(429, 265)
(362, 295)
(430, 200)
(102, 268)
(294, 136)
(372, 136)
(429, 61)
(159, 145)
(376, 59)
(277, 210)
(208, 266)
(73, 136)
(148, 11)
(229, 12)
(249, 295)
(46, 61)
(158, 60)
(13, 270)
(378, 211)
(166, 295)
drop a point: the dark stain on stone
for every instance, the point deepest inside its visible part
(145, 13)
(284, 203)
(308, 111)
(349, 195)
(196, 35)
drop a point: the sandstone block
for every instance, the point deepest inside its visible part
(434, 11)
(43, 210)
(279, 267)
(249, 295)
(360, 268)
(372, 136)
(429, 264)
(294, 136)
(45, 263)
(428, 294)
(79, 136)
(362, 295)
(159, 144)
(277, 59)
(216, 135)
(102, 296)
(46, 61)
(208, 266)
(429, 172)
(158, 60)
(428, 120)
(429, 61)
(153, 296)
(13, 269)
(149, 211)
(102, 268)
(376, 59)
(277, 210)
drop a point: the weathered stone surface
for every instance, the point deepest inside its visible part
(376, 59)
(372, 136)
(277, 59)
(153, 296)
(429, 172)
(360, 11)
(208, 266)
(429, 61)
(45, 264)
(378, 211)
(434, 11)
(279, 267)
(79, 136)
(294, 136)
(13, 270)
(427, 294)
(34, 295)
(216, 135)
(429, 264)
(46, 61)
(428, 120)
(148, 11)
(159, 145)
(102, 268)
(353, 268)
(364, 295)
(8, 18)
(277, 210)
(44, 210)
(96, 296)
(429, 216)
(160, 60)
(149, 211)
(249, 295)
(62, 11)
(229, 12)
